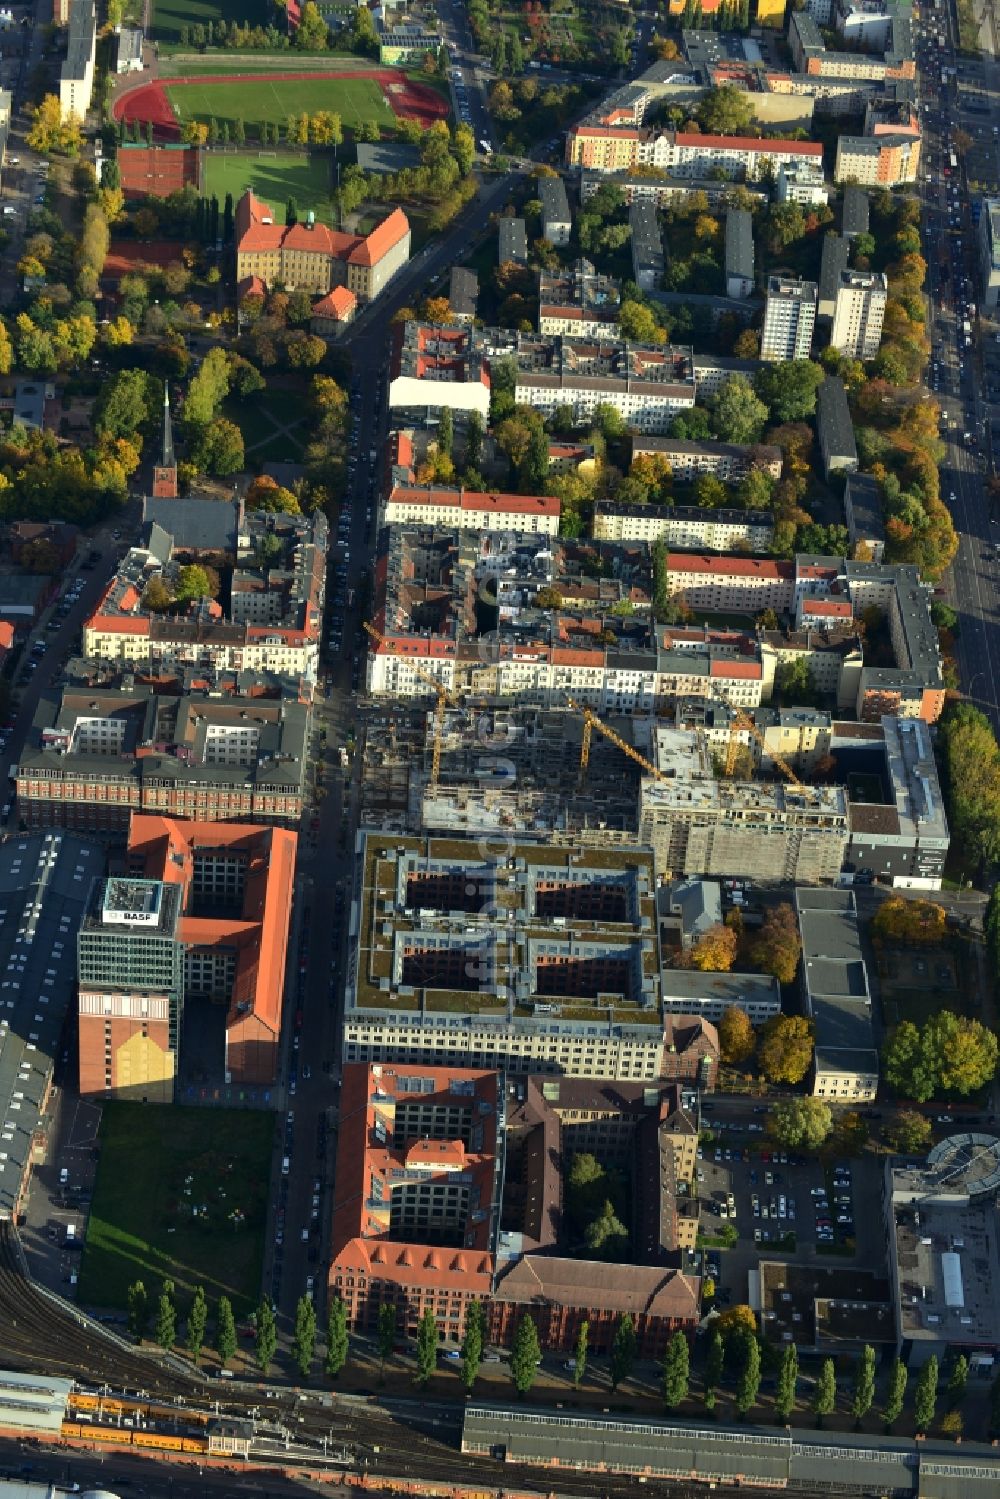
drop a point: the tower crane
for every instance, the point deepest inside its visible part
(591, 722)
(444, 698)
(742, 720)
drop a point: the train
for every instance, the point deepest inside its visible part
(130, 1436)
(124, 1406)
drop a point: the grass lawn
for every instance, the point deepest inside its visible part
(158, 1163)
(274, 176)
(170, 15)
(257, 100)
(274, 424)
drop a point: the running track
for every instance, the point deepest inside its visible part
(409, 100)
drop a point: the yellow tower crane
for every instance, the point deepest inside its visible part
(444, 698)
(591, 722)
(742, 720)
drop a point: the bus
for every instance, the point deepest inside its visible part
(953, 161)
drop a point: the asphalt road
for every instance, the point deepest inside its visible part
(956, 373)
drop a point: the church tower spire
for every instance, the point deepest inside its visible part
(165, 472)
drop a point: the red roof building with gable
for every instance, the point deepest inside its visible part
(309, 256)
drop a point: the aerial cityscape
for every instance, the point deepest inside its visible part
(500, 812)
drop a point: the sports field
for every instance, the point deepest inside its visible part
(257, 100)
(181, 1194)
(274, 176)
(170, 15)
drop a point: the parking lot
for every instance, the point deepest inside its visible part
(783, 1204)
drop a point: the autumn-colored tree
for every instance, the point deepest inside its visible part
(437, 310)
(912, 921)
(800, 1123)
(909, 1132)
(785, 1048)
(777, 946)
(736, 1035)
(715, 951)
(737, 1319)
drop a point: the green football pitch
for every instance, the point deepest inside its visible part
(170, 15)
(256, 100)
(274, 176)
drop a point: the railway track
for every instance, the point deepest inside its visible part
(38, 1334)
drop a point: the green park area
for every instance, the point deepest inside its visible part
(181, 1195)
(170, 15)
(274, 176)
(258, 101)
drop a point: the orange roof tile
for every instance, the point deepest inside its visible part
(383, 238)
(747, 567)
(339, 303)
(750, 143)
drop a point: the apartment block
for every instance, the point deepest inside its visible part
(859, 311)
(664, 189)
(810, 56)
(568, 983)
(557, 220)
(837, 997)
(710, 995)
(578, 302)
(684, 527)
(470, 510)
(877, 160)
(512, 244)
(789, 318)
(275, 613)
(863, 514)
(899, 833)
(647, 244)
(834, 428)
(739, 266)
(76, 77)
(802, 182)
(96, 753)
(646, 383)
(611, 148)
(311, 257)
(834, 260)
(432, 367)
(728, 461)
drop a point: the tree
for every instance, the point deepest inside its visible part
(909, 1132)
(715, 951)
(777, 946)
(788, 388)
(948, 1054)
(622, 1351)
(218, 448)
(952, 1424)
(225, 1331)
(196, 582)
(446, 431)
(736, 1035)
(864, 1384)
(266, 1335)
(525, 1356)
(606, 1236)
(737, 414)
(385, 1333)
(850, 1134)
(304, 1337)
(725, 111)
(197, 1321)
(472, 1343)
(474, 433)
(824, 1401)
(676, 1370)
(265, 493)
(138, 1309)
(895, 1393)
(127, 403)
(788, 1377)
(313, 34)
(49, 133)
(427, 1344)
(785, 1049)
(800, 1123)
(714, 1361)
(580, 1354)
(925, 1395)
(737, 1320)
(748, 1383)
(165, 1326)
(208, 389)
(958, 1378)
(337, 1344)
(910, 921)
(638, 323)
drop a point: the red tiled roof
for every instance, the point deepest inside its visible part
(727, 667)
(339, 303)
(132, 624)
(737, 567)
(383, 238)
(750, 143)
(827, 606)
(617, 132)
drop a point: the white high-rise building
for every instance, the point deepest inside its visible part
(858, 313)
(789, 317)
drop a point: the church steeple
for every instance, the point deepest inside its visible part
(165, 472)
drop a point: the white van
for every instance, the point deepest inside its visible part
(285, 1163)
